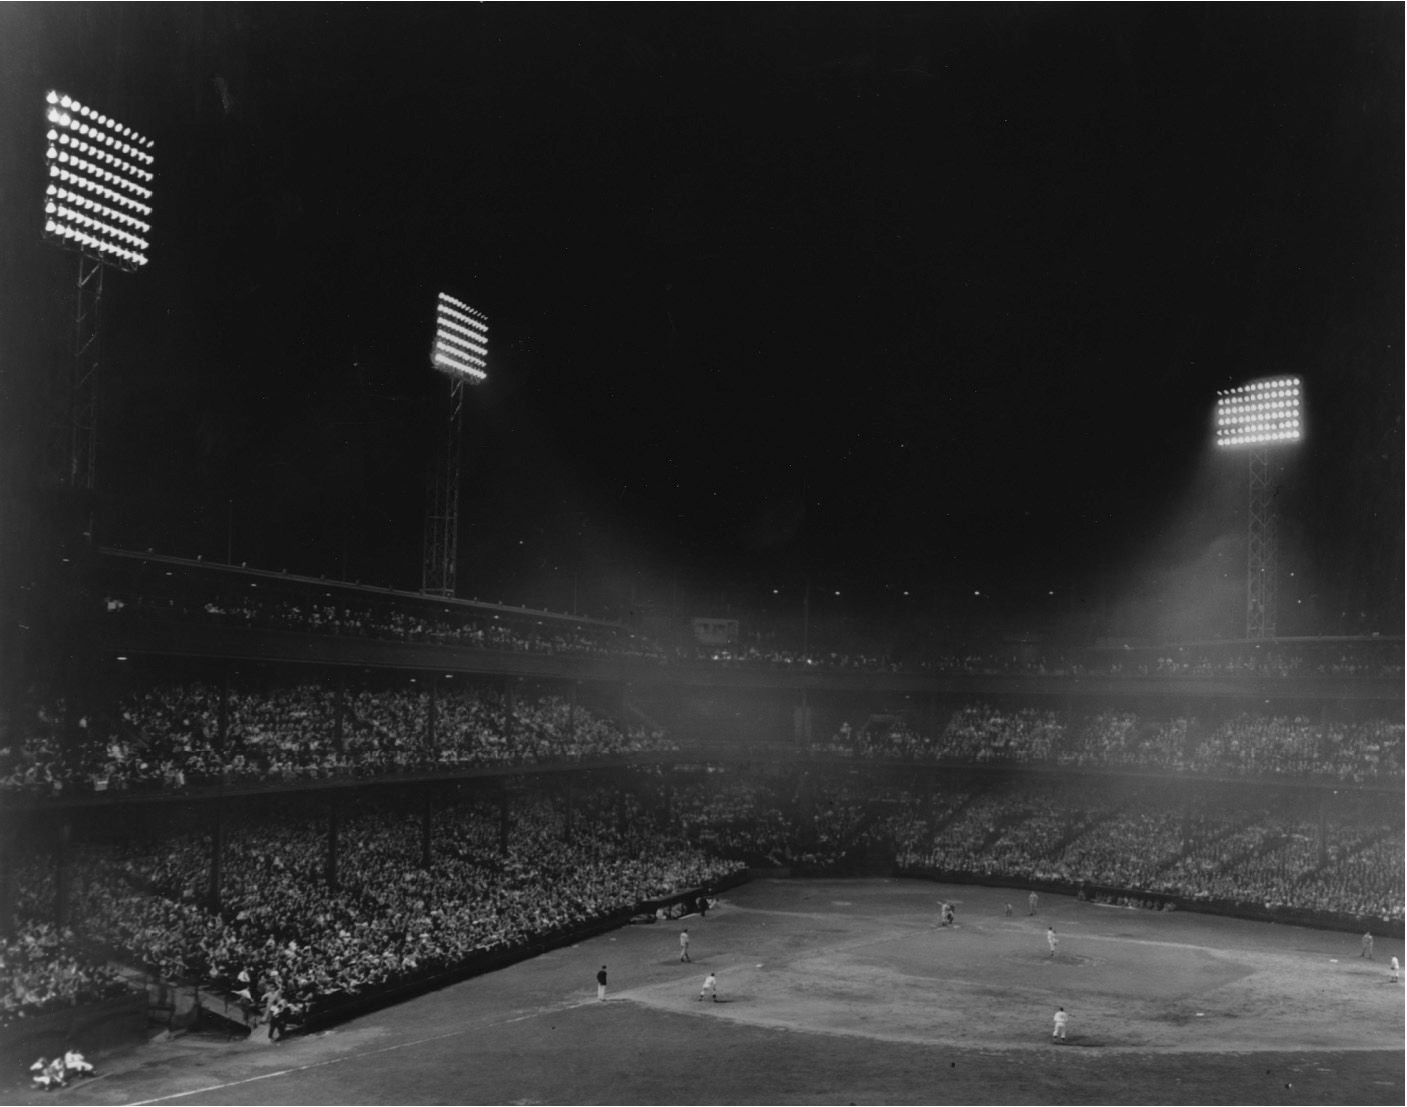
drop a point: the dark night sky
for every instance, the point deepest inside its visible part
(929, 298)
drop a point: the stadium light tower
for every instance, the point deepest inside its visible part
(460, 351)
(1260, 417)
(97, 202)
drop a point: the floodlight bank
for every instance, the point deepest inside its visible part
(1259, 412)
(96, 166)
(461, 339)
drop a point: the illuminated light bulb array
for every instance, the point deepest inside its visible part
(1259, 413)
(58, 174)
(62, 195)
(98, 194)
(461, 339)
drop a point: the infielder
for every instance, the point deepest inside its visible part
(1052, 941)
(710, 984)
(1061, 1018)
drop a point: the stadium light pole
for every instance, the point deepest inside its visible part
(460, 351)
(1260, 417)
(97, 202)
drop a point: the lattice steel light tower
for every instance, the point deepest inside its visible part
(1260, 417)
(97, 201)
(460, 351)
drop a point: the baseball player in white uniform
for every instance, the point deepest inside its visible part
(710, 984)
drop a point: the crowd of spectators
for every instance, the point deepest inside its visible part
(44, 970)
(743, 819)
(254, 601)
(1280, 663)
(407, 620)
(1361, 752)
(1144, 840)
(168, 736)
(282, 935)
(1268, 855)
(786, 824)
(776, 657)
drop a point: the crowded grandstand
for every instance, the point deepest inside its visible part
(568, 798)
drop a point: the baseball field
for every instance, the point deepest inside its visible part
(850, 991)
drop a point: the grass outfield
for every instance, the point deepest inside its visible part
(847, 991)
